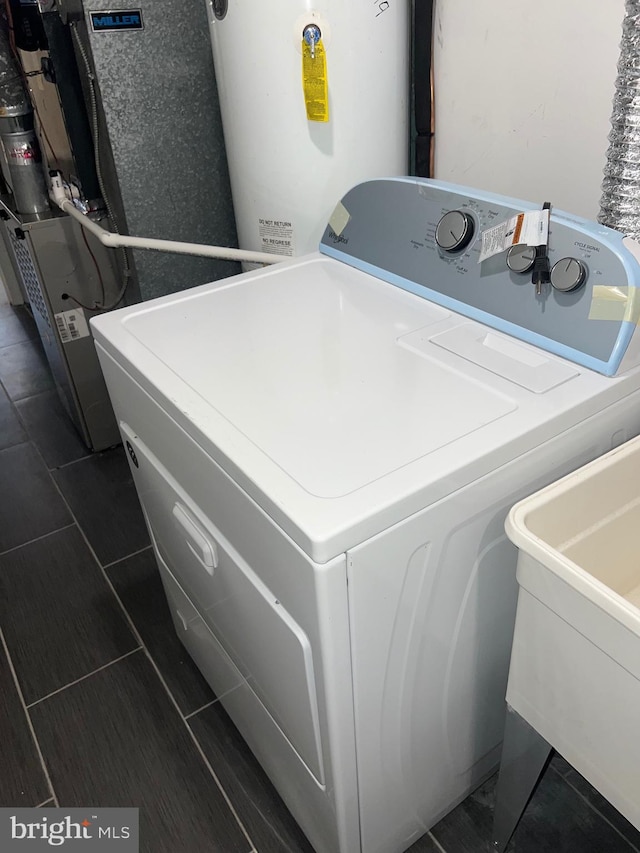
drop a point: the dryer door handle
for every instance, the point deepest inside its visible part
(198, 543)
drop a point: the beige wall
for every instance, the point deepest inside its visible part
(523, 96)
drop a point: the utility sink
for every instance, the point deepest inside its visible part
(575, 666)
(585, 528)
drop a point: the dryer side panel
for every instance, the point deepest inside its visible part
(432, 607)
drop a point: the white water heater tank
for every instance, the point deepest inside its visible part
(289, 170)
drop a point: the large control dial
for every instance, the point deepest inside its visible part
(454, 231)
(520, 257)
(568, 274)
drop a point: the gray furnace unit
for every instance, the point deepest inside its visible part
(150, 90)
(57, 272)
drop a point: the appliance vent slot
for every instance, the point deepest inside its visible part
(29, 277)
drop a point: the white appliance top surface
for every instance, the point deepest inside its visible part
(310, 371)
(339, 401)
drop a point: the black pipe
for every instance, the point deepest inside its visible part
(422, 47)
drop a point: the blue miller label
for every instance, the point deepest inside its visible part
(120, 19)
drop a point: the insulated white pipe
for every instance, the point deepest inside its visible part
(107, 238)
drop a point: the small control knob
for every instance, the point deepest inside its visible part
(520, 258)
(568, 274)
(454, 231)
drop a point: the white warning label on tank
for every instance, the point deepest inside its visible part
(72, 325)
(276, 236)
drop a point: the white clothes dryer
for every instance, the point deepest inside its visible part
(326, 451)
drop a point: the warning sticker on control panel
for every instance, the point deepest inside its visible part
(531, 229)
(72, 325)
(276, 236)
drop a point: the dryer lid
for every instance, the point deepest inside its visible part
(308, 366)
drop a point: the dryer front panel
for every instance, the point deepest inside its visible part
(268, 647)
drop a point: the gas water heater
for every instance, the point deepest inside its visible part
(314, 99)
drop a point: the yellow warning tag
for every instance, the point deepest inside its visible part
(314, 82)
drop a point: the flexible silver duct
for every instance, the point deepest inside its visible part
(13, 98)
(620, 202)
(19, 141)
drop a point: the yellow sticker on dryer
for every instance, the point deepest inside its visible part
(314, 81)
(620, 304)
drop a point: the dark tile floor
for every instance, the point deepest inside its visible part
(101, 704)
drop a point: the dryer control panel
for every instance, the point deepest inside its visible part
(426, 237)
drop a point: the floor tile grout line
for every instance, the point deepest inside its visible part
(106, 577)
(40, 805)
(27, 440)
(593, 807)
(124, 610)
(630, 845)
(6, 392)
(436, 842)
(89, 455)
(30, 340)
(37, 539)
(29, 396)
(597, 810)
(83, 678)
(102, 567)
(153, 664)
(197, 711)
(122, 559)
(79, 526)
(14, 408)
(16, 344)
(45, 769)
(19, 416)
(197, 745)
(27, 431)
